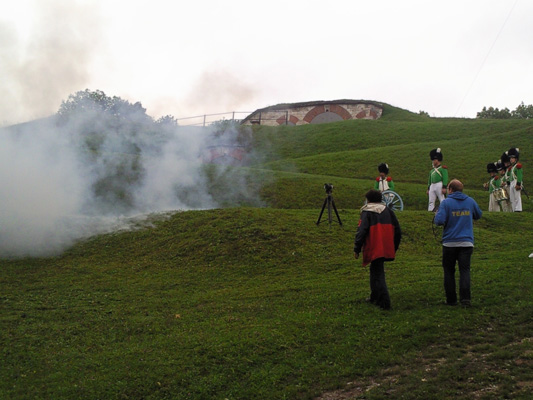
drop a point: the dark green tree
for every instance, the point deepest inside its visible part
(494, 113)
(523, 111)
(86, 101)
(167, 120)
(112, 135)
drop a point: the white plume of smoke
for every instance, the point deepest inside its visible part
(51, 59)
(175, 171)
(55, 190)
(39, 185)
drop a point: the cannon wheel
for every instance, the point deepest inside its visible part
(392, 200)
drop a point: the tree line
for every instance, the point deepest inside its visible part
(521, 112)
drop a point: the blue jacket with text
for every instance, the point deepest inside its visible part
(456, 213)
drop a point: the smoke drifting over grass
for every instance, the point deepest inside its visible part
(63, 179)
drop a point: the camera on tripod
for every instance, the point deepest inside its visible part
(330, 203)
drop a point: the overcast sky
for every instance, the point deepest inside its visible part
(184, 58)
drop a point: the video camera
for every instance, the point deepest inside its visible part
(328, 187)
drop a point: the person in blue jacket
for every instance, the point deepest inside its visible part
(457, 213)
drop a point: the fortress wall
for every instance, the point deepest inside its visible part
(313, 113)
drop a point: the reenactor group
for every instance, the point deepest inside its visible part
(505, 184)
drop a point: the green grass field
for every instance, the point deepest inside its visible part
(261, 303)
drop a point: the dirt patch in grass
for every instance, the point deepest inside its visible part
(474, 372)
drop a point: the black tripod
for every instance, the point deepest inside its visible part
(330, 203)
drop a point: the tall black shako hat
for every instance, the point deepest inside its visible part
(514, 152)
(499, 165)
(383, 168)
(491, 167)
(505, 158)
(435, 154)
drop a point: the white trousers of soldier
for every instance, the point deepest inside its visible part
(435, 192)
(493, 203)
(515, 197)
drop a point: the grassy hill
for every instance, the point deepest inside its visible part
(261, 303)
(353, 149)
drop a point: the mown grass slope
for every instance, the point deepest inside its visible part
(261, 303)
(353, 150)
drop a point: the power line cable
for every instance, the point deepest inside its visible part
(486, 58)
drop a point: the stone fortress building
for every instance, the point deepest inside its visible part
(314, 112)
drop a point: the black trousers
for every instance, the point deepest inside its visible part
(379, 294)
(461, 256)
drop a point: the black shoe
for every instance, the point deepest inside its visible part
(449, 304)
(369, 300)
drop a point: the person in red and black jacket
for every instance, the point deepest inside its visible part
(378, 236)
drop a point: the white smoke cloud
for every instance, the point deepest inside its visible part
(176, 169)
(45, 54)
(54, 190)
(221, 89)
(40, 184)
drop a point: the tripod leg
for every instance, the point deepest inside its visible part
(322, 212)
(329, 210)
(336, 212)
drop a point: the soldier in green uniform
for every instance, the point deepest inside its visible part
(516, 176)
(505, 205)
(383, 181)
(506, 162)
(493, 185)
(438, 179)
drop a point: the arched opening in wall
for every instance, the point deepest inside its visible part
(325, 117)
(328, 113)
